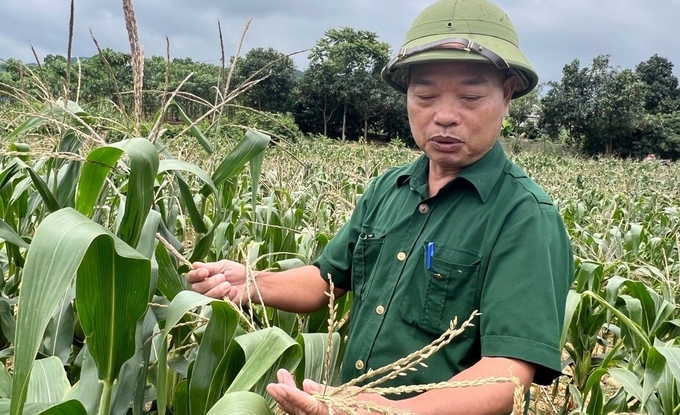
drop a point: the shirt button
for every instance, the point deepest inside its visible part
(438, 276)
(423, 208)
(401, 256)
(380, 309)
(359, 365)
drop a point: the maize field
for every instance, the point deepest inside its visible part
(96, 317)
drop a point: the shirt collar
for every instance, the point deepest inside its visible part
(482, 175)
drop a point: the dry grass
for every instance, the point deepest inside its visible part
(137, 62)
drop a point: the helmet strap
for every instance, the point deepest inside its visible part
(451, 43)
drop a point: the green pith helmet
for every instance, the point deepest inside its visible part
(462, 30)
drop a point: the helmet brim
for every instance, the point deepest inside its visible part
(397, 75)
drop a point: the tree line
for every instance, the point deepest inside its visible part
(596, 109)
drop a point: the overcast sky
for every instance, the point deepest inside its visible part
(552, 32)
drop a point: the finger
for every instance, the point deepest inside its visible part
(208, 283)
(310, 386)
(197, 275)
(233, 293)
(295, 401)
(285, 377)
(212, 267)
(219, 291)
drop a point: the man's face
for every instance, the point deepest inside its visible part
(455, 110)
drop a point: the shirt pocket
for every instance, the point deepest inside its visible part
(364, 261)
(447, 290)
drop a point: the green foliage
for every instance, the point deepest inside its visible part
(597, 106)
(605, 110)
(342, 90)
(662, 86)
(621, 319)
(524, 113)
(275, 73)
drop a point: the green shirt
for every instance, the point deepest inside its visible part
(500, 247)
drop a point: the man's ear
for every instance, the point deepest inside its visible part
(509, 88)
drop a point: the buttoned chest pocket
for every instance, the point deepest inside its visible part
(364, 261)
(446, 290)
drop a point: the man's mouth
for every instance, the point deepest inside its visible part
(446, 144)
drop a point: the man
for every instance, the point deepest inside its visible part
(460, 229)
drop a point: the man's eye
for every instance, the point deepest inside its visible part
(470, 98)
(425, 97)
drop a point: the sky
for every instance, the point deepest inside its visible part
(552, 33)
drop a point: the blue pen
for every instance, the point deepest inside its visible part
(429, 254)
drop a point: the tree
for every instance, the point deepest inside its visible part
(662, 86)
(564, 107)
(106, 76)
(524, 111)
(345, 67)
(599, 107)
(318, 90)
(274, 92)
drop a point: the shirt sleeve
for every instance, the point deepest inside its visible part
(524, 293)
(336, 260)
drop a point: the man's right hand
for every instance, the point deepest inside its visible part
(219, 279)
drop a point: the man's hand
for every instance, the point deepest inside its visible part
(294, 401)
(300, 402)
(219, 279)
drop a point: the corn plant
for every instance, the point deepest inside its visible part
(96, 305)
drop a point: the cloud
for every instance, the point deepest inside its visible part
(552, 32)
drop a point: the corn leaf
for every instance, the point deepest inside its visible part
(178, 165)
(64, 408)
(240, 403)
(8, 234)
(255, 173)
(88, 389)
(627, 379)
(5, 382)
(161, 383)
(7, 322)
(48, 382)
(218, 334)
(99, 164)
(191, 207)
(48, 198)
(131, 380)
(181, 403)
(53, 252)
(654, 366)
(266, 351)
(112, 290)
(72, 407)
(252, 144)
(59, 332)
(573, 301)
(139, 197)
(194, 130)
(66, 188)
(314, 356)
(180, 305)
(170, 283)
(672, 356)
(187, 193)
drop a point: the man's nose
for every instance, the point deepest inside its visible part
(447, 113)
